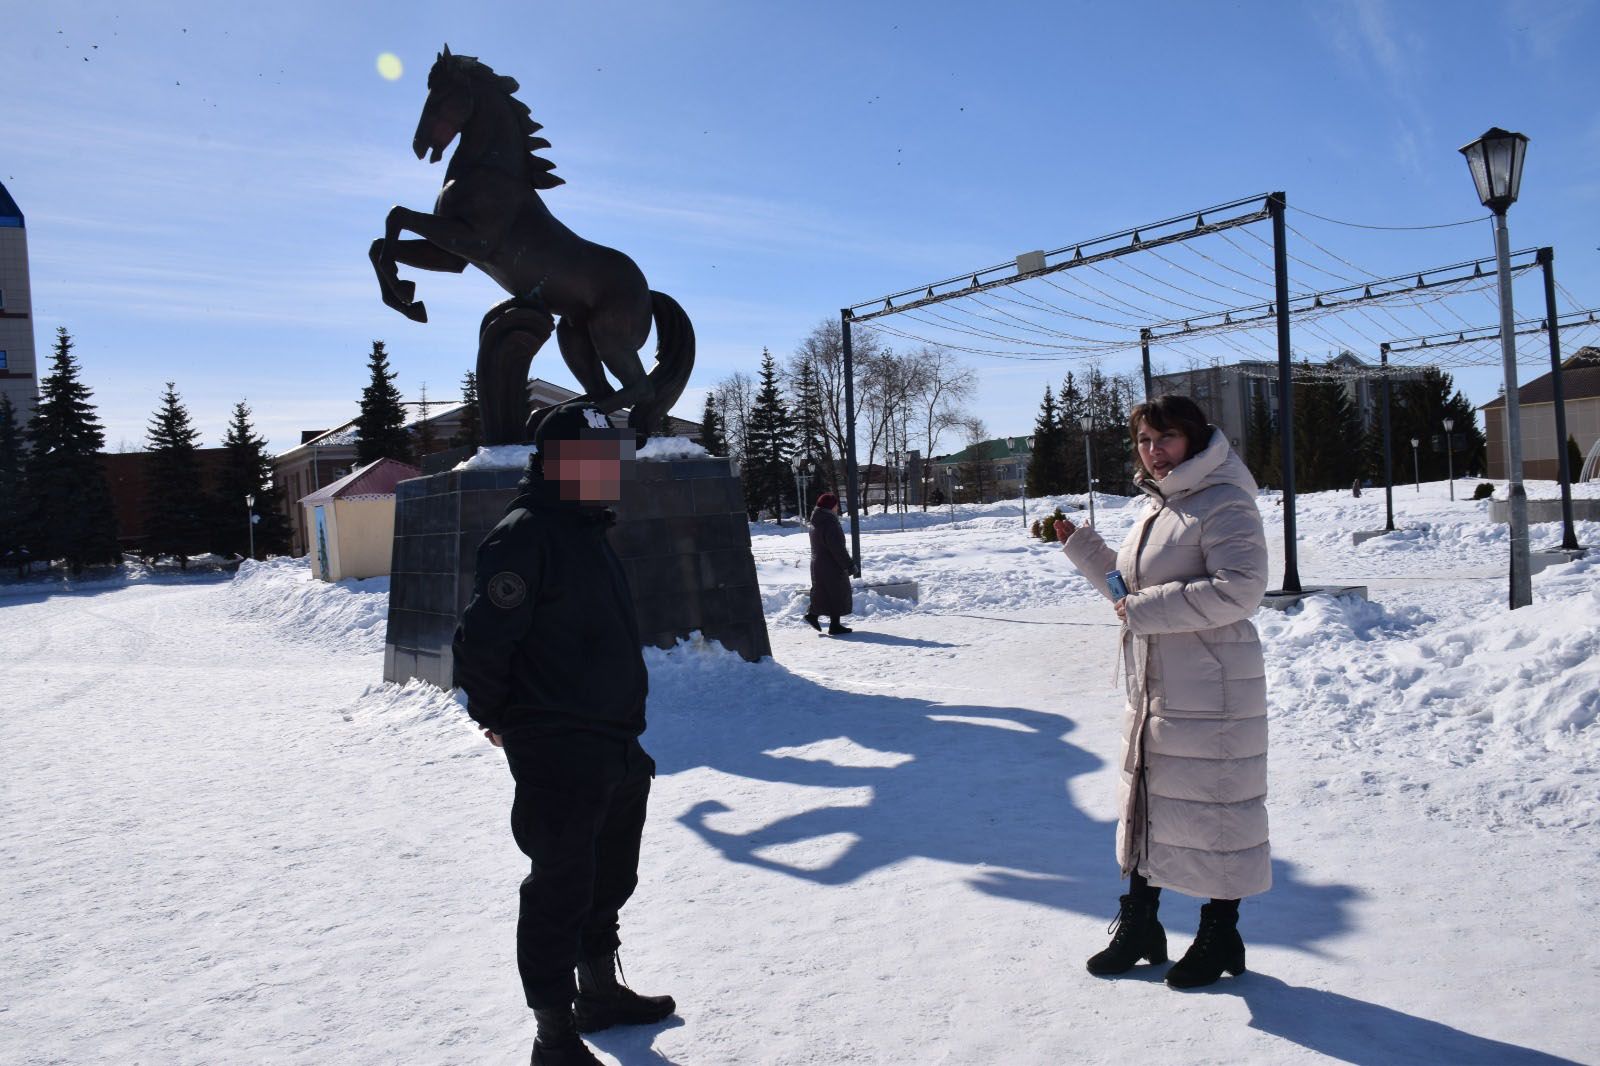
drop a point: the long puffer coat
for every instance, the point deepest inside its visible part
(1194, 768)
(831, 566)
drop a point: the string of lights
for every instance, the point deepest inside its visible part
(1362, 270)
(1364, 225)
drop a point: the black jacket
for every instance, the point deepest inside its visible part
(550, 641)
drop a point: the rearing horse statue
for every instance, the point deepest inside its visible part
(489, 214)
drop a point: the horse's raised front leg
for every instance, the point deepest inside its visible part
(454, 244)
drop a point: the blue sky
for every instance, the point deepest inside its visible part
(201, 180)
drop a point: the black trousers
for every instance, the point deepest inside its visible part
(578, 815)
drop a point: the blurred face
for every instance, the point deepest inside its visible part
(1160, 450)
(589, 471)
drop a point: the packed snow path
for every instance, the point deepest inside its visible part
(224, 841)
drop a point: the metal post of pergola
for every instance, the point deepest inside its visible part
(851, 486)
(1280, 273)
(1569, 536)
(1388, 459)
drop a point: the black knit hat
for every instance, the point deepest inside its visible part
(572, 421)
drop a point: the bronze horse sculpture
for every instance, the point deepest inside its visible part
(489, 214)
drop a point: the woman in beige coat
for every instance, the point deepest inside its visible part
(1194, 767)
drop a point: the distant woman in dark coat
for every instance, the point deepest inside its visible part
(831, 567)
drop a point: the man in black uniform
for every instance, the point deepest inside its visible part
(548, 654)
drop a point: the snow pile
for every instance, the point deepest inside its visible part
(1492, 715)
(1535, 670)
(281, 593)
(498, 457)
(664, 449)
(417, 713)
(515, 456)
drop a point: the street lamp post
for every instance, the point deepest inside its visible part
(893, 470)
(250, 520)
(1495, 160)
(1416, 468)
(802, 477)
(898, 458)
(1450, 455)
(950, 491)
(1087, 422)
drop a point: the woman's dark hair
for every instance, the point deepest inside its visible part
(1168, 413)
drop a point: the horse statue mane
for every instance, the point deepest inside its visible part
(475, 69)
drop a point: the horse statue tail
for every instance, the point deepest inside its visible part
(674, 361)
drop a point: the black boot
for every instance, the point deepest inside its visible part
(603, 1002)
(838, 628)
(1138, 936)
(811, 620)
(1217, 947)
(557, 1043)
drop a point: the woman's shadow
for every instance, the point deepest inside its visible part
(1355, 1031)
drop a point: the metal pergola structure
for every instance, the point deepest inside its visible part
(1551, 325)
(1333, 301)
(1276, 312)
(1169, 231)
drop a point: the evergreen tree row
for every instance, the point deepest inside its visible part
(55, 503)
(60, 505)
(1332, 448)
(1062, 449)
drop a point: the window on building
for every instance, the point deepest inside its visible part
(2, 299)
(3, 364)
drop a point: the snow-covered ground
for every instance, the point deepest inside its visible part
(222, 839)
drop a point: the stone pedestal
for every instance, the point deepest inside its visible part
(681, 533)
(1282, 600)
(1585, 510)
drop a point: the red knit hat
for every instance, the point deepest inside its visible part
(827, 501)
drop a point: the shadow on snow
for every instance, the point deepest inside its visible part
(984, 787)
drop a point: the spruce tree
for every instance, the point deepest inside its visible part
(426, 441)
(1071, 406)
(69, 515)
(247, 471)
(1421, 406)
(179, 516)
(810, 432)
(11, 510)
(711, 428)
(766, 459)
(1047, 474)
(1110, 444)
(1327, 434)
(1261, 443)
(1574, 458)
(381, 425)
(470, 435)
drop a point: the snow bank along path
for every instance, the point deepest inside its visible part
(223, 840)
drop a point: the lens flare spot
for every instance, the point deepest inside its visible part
(390, 67)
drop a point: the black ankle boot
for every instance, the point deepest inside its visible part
(557, 1043)
(1138, 936)
(813, 622)
(1217, 947)
(603, 1002)
(837, 628)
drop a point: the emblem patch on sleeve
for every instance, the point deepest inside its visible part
(507, 590)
